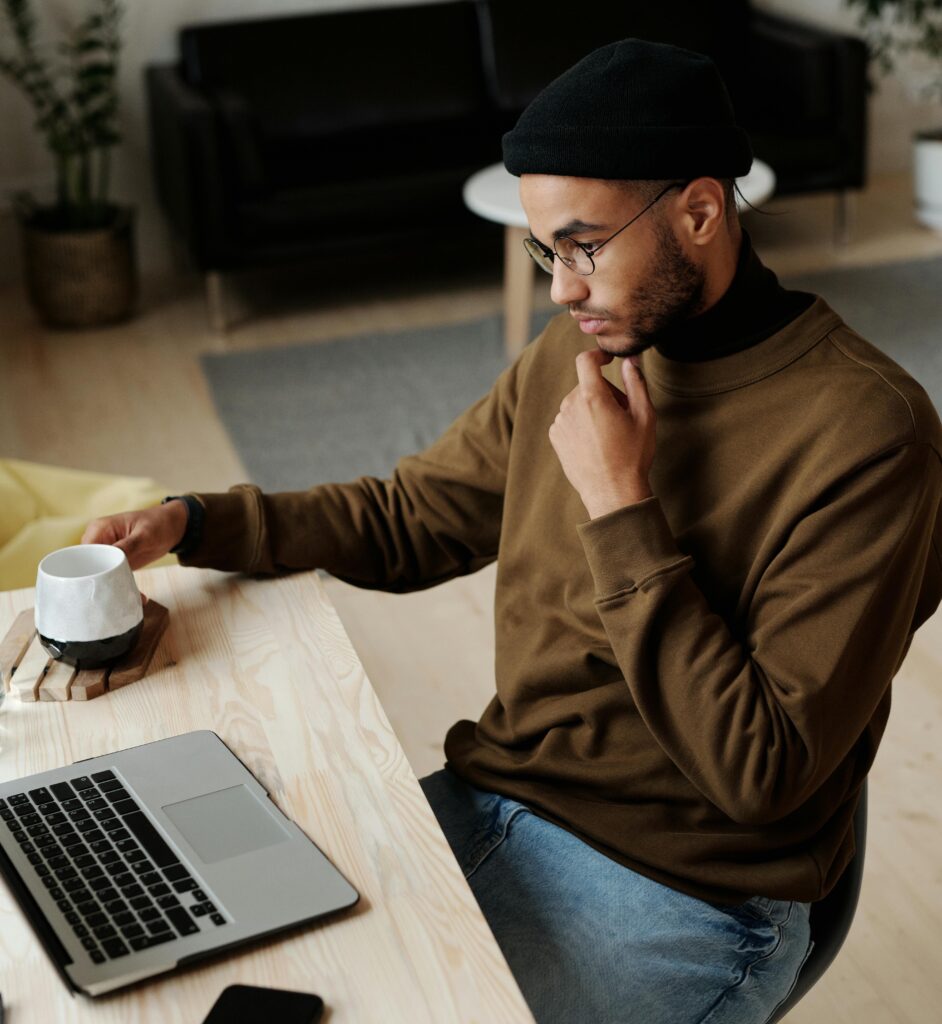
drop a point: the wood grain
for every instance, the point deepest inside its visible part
(29, 672)
(133, 665)
(14, 643)
(268, 666)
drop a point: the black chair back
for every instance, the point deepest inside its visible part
(831, 917)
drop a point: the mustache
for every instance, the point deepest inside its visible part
(596, 314)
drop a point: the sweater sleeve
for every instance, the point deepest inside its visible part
(438, 516)
(758, 724)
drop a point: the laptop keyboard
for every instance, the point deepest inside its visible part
(115, 880)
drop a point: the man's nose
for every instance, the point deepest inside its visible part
(568, 286)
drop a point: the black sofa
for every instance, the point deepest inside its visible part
(346, 137)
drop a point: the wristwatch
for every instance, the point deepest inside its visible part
(194, 522)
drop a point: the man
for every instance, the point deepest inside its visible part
(696, 625)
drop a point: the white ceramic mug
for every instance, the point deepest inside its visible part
(88, 607)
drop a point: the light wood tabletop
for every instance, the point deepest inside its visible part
(267, 665)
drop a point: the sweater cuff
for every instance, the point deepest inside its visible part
(628, 546)
(231, 531)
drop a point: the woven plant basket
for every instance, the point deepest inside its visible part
(81, 278)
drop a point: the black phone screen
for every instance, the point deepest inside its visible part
(249, 1004)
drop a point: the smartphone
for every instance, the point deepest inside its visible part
(249, 1004)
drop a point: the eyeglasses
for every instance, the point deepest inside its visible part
(577, 256)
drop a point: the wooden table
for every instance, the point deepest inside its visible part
(268, 666)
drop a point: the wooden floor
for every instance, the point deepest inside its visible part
(131, 399)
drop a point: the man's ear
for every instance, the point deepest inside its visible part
(704, 210)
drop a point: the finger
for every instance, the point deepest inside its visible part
(617, 394)
(589, 368)
(636, 386)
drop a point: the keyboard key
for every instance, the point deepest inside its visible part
(100, 883)
(62, 790)
(176, 872)
(93, 871)
(118, 834)
(72, 805)
(31, 819)
(83, 782)
(69, 840)
(159, 890)
(109, 857)
(156, 927)
(105, 931)
(80, 814)
(97, 956)
(96, 920)
(110, 785)
(101, 847)
(115, 947)
(42, 870)
(89, 943)
(125, 806)
(32, 857)
(57, 893)
(132, 890)
(150, 914)
(122, 917)
(94, 836)
(150, 839)
(108, 895)
(185, 885)
(107, 815)
(168, 901)
(17, 798)
(7, 814)
(141, 903)
(73, 917)
(97, 804)
(86, 907)
(151, 878)
(63, 904)
(118, 794)
(142, 866)
(116, 869)
(41, 795)
(132, 931)
(102, 776)
(126, 846)
(198, 910)
(49, 882)
(217, 919)
(182, 921)
(80, 930)
(112, 825)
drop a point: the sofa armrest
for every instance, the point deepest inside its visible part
(186, 164)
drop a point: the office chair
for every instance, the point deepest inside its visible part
(831, 917)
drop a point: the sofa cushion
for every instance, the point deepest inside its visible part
(517, 71)
(324, 73)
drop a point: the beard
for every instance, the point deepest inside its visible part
(670, 292)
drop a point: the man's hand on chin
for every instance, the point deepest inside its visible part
(605, 440)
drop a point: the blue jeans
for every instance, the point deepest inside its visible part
(590, 940)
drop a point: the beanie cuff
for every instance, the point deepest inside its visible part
(635, 152)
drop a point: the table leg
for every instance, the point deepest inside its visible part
(518, 291)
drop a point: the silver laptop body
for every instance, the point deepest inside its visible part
(133, 863)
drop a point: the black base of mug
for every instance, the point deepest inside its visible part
(92, 653)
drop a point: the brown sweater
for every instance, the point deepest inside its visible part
(696, 685)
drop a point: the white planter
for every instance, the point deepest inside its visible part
(927, 164)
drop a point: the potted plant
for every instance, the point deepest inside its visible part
(79, 254)
(897, 27)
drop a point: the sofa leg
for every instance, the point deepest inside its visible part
(215, 297)
(843, 211)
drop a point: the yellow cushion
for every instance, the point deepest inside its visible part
(43, 508)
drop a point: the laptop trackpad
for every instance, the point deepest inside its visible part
(226, 823)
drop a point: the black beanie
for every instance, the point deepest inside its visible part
(632, 110)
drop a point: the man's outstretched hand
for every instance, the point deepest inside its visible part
(143, 536)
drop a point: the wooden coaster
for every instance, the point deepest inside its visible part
(27, 670)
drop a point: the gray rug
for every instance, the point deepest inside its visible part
(307, 414)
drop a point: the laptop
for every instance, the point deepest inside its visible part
(137, 862)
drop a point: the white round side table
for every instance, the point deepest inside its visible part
(493, 193)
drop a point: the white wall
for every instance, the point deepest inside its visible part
(150, 29)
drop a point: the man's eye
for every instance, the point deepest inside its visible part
(590, 246)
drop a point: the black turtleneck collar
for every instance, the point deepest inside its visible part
(752, 309)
